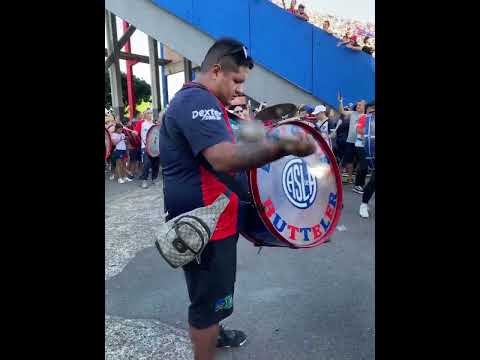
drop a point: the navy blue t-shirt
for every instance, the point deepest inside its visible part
(196, 120)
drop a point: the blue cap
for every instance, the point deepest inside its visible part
(308, 108)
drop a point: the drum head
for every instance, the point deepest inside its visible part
(108, 144)
(300, 199)
(152, 143)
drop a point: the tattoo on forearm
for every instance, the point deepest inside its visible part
(256, 154)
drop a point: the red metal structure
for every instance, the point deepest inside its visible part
(130, 87)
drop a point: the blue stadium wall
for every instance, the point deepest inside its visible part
(289, 47)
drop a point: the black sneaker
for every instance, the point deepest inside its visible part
(230, 338)
(358, 189)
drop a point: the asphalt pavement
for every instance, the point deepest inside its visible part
(293, 304)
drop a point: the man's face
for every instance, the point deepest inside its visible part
(360, 106)
(368, 42)
(148, 116)
(230, 84)
(300, 10)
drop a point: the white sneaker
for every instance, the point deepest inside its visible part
(127, 179)
(364, 211)
(112, 177)
(121, 181)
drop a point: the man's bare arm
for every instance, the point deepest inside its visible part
(357, 48)
(225, 156)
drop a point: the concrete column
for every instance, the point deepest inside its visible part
(154, 77)
(114, 69)
(187, 68)
(164, 79)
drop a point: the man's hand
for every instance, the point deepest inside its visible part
(300, 145)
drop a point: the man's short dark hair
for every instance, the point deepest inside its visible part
(118, 126)
(229, 54)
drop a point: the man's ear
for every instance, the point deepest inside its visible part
(216, 70)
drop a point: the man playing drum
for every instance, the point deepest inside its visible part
(195, 141)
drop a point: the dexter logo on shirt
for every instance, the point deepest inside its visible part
(207, 114)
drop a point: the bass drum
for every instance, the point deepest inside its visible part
(297, 201)
(108, 144)
(152, 141)
(370, 139)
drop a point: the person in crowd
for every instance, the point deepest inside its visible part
(333, 120)
(369, 189)
(348, 36)
(134, 150)
(149, 163)
(367, 195)
(301, 14)
(110, 126)
(292, 9)
(361, 155)
(367, 47)
(193, 150)
(326, 27)
(339, 136)
(120, 154)
(348, 158)
(321, 121)
(351, 43)
(305, 110)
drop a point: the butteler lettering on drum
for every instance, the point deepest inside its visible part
(316, 230)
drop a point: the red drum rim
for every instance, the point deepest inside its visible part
(338, 180)
(147, 148)
(108, 149)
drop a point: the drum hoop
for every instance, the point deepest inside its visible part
(109, 149)
(146, 139)
(338, 210)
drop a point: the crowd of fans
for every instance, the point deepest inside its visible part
(129, 160)
(344, 129)
(356, 35)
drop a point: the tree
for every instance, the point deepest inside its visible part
(143, 91)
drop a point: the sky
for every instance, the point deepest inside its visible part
(363, 10)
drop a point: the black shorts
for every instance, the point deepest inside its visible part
(349, 153)
(135, 155)
(211, 283)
